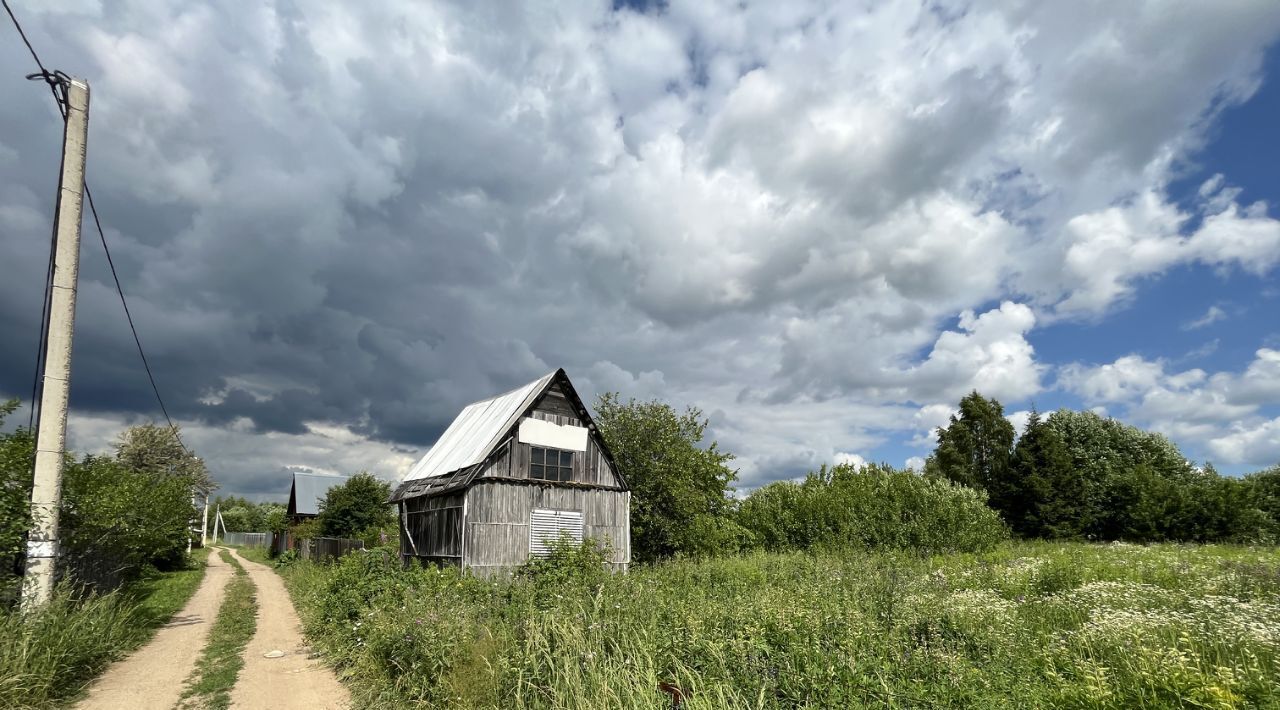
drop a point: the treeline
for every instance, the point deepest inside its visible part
(683, 503)
(1078, 475)
(1070, 475)
(120, 515)
(240, 514)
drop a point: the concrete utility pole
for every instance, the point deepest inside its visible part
(204, 523)
(46, 492)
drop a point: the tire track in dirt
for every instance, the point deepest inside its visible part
(152, 677)
(289, 682)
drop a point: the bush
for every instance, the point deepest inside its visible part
(680, 485)
(356, 506)
(870, 506)
(571, 563)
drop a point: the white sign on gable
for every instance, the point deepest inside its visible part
(553, 436)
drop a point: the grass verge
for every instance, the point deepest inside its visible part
(210, 683)
(1034, 625)
(50, 656)
(255, 554)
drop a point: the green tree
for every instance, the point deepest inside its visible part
(1115, 462)
(1266, 492)
(679, 487)
(135, 518)
(1043, 498)
(275, 518)
(120, 513)
(153, 449)
(356, 506)
(975, 448)
(17, 453)
(242, 515)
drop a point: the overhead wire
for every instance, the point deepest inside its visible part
(57, 81)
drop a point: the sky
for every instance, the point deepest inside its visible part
(822, 224)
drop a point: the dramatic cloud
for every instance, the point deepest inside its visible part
(821, 224)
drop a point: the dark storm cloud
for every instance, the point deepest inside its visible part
(358, 218)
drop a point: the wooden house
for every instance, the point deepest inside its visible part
(509, 474)
(306, 492)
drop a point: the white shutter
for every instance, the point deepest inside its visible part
(547, 525)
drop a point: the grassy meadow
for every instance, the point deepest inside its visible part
(1026, 625)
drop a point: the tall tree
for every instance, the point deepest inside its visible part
(1045, 489)
(355, 507)
(148, 448)
(679, 486)
(1120, 467)
(975, 447)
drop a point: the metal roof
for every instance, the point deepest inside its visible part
(309, 490)
(476, 430)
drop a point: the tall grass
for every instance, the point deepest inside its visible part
(50, 655)
(1026, 625)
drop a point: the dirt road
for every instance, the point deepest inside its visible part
(152, 678)
(292, 680)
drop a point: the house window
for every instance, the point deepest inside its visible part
(550, 464)
(548, 526)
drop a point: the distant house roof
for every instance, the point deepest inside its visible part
(308, 490)
(475, 432)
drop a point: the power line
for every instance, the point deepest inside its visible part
(129, 316)
(48, 76)
(56, 80)
(48, 278)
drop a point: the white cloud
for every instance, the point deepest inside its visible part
(1257, 444)
(1103, 253)
(844, 457)
(1220, 412)
(989, 353)
(366, 215)
(1019, 420)
(1211, 316)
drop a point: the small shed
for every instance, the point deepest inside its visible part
(307, 491)
(509, 474)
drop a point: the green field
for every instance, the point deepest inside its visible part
(1027, 625)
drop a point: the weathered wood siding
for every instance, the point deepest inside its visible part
(590, 466)
(431, 527)
(496, 534)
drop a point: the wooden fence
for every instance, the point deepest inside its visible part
(323, 549)
(247, 539)
(319, 549)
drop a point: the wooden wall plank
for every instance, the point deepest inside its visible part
(497, 505)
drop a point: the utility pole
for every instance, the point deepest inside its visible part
(204, 523)
(51, 441)
(217, 518)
